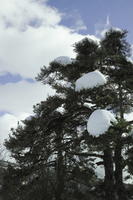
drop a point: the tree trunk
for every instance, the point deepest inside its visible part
(121, 192)
(59, 170)
(110, 193)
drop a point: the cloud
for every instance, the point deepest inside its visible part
(25, 52)
(101, 28)
(20, 97)
(77, 21)
(7, 122)
(21, 14)
(31, 36)
(74, 19)
(79, 25)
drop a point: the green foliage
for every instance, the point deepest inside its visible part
(53, 150)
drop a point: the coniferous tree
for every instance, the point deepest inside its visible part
(120, 71)
(40, 147)
(56, 143)
(112, 58)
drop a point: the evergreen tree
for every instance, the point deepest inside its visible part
(120, 71)
(112, 58)
(40, 147)
(54, 147)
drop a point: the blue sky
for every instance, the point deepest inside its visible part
(94, 13)
(33, 33)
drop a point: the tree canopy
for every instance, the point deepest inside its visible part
(55, 152)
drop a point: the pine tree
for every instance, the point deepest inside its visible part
(115, 53)
(112, 58)
(40, 147)
(56, 143)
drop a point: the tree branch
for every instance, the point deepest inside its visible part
(86, 154)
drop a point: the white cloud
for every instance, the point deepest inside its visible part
(79, 25)
(20, 97)
(25, 52)
(31, 36)
(75, 20)
(21, 14)
(101, 28)
(7, 122)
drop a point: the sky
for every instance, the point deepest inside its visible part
(35, 32)
(94, 14)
